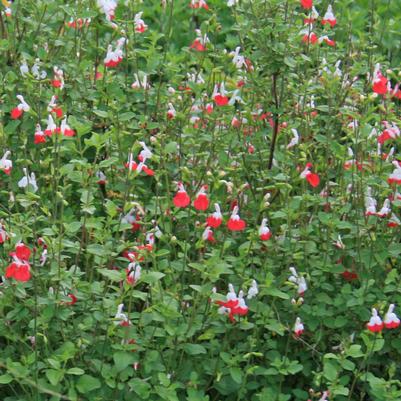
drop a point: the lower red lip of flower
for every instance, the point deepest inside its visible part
(221, 100)
(201, 203)
(236, 225)
(213, 222)
(392, 325)
(16, 113)
(375, 328)
(313, 179)
(181, 199)
(265, 237)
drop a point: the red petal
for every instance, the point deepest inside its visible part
(181, 199)
(313, 179)
(16, 113)
(201, 202)
(22, 252)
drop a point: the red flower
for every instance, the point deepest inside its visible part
(235, 223)
(307, 4)
(375, 324)
(312, 178)
(215, 219)
(20, 271)
(16, 113)
(201, 202)
(181, 199)
(264, 231)
(22, 252)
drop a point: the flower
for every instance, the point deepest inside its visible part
(120, 318)
(298, 327)
(314, 15)
(220, 95)
(65, 129)
(207, 235)
(391, 320)
(114, 57)
(391, 132)
(3, 234)
(18, 111)
(379, 82)
(20, 268)
(28, 180)
(395, 176)
(349, 163)
(215, 219)
(6, 164)
(312, 178)
(53, 108)
(39, 136)
(171, 113)
(295, 139)
(108, 7)
(198, 4)
(199, 44)
(58, 80)
(307, 4)
(181, 199)
(253, 290)
(141, 166)
(132, 217)
(140, 84)
(140, 26)
(299, 280)
(51, 126)
(133, 272)
(375, 324)
(264, 231)
(233, 305)
(309, 37)
(327, 40)
(394, 221)
(235, 223)
(370, 203)
(329, 17)
(201, 201)
(385, 210)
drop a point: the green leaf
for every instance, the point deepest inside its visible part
(122, 359)
(194, 349)
(236, 374)
(54, 376)
(75, 371)
(5, 379)
(87, 383)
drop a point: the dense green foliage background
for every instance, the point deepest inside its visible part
(183, 349)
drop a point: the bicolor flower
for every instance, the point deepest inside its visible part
(385, 210)
(39, 136)
(312, 178)
(114, 57)
(5, 163)
(298, 327)
(120, 318)
(329, 17)
(327, 40)
(370, 203)
(51, 126)
(220, 95)
(181, 199)
(379, 82)
(375, 324)
(140, 25)
(215, 219)
(199, 44)
(391, 320)
(235, 223)
(108, 7)
(141, 166)
(307, 4)
(394, 221)
(198, 4)
(264, 231)
(201, 201)
(65, 129)
(208, 235)
(145, 153)
(313, 16)
(391, 132)
(140, 84)
(395, 176)
(133, 273)
(294, 140)
(133, 218)
(3, 234)
(20, 268)
(171, 113)
(18, 111)
(58, 80)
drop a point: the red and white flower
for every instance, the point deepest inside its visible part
(181, 199)
(120, 318)
(19, 269)
(329, 17)
(294, 140)
(208, 235)
(394, 221)
(201, 201)
(391, 132)
(307, 4)
(27, 180)
(140, 25)
(370, 203)
(312, 178)
(298, 327)
(391, 320)
(108, 7)
(235, 223)
(39, 136)
(115, 57)
(133, 273)
(5, 163)
(199, 44)
(375, 324)
(264, 231)
(171, 113)
(219, 95)
(298, 280)
(385, 210)
(53, 108)
(22, 107)
(198, 4)
(215, 219)
(379, 82)
(51, 126)
(395, 176)
(65, 129)
(58, 80)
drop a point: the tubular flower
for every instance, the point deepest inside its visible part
(385, 210)
(208, 235)
(235, 223)
(114, 57)
(298, 327)
(394, 221)
(108, 7)
(308, 36)
(51, 126)
(58, 80)
(120, 318)
(171, 113)
(391, 132)
(5, 163)
(215, 219)
(141, 166)
(327, 40)
(312, 178)
(379, 83)
(294, 140)
(264, 231)
(307, 4)
(28, 180)
(199, 44)
(375, 324)
(391, 320)
(314, 15)
(220, 95)
(53, 108)
(233, 305)
(18, 111)
(65, 129)
(329, 17)
(198, 4)
(3, 234)
(140, 26)
(145, 153)
(133, 272)
(20, 268)
(201, 201)
(181, 199)
(39, 136)
(352, 161)
(298, 280)
(395, 176)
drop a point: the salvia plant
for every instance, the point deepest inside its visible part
(200, 200)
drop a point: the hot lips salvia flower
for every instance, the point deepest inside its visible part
(19, 269)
